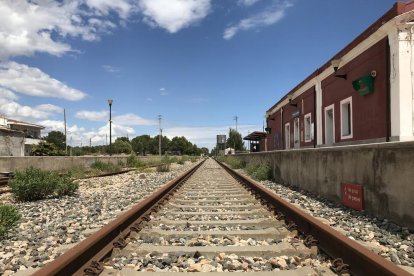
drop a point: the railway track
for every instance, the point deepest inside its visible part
(206, 221)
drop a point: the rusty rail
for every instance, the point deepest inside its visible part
(88, 253)
(359, 259)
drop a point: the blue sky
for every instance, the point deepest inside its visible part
(198, 63)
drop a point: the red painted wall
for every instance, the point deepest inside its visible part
(369, 113)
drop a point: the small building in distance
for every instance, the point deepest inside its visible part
(17, 137)
(363, 94)
(257, 141)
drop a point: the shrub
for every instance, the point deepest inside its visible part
(64, 186)
(259, 171)
(234, 162)
(104, 167)
(34, 184)
(181, 162)
(9, 216)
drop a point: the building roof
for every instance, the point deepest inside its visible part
(21, 123)
(255, 136)
(6, 129)
(398, 9)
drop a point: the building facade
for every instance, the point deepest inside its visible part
(17, 137)
(364, 94)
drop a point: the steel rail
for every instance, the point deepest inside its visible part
(361, 261)
(101, 243)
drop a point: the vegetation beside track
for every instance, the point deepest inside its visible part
(9, 216)
(34, 184)
(258, 170)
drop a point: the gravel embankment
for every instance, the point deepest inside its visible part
(50, 227)
(385, 238)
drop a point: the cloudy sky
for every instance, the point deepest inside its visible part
(198, 63)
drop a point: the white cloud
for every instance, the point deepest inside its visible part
(149, 99)
(27, 27)
(206, 136)
(270, 16)
(128, 119)
(110, 69)
(133, 120)
(33, 82)
(92, 115)
(163, 92)
(11, 108)
(247, 2)
(174, 15)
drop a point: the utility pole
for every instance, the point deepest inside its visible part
(66, 140)
(110, 101)
(159, 137)
(236, 118)
(70, 146)
(90, 142)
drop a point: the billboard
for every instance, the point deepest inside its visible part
(221, 139)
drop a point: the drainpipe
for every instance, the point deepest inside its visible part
(388, 93)
(282, 128)
(314, 117)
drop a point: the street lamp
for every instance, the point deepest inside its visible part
(110, 101)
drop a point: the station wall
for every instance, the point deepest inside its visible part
(384, 170)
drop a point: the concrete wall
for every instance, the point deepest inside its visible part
(11, 144)
(385, 171)
(9, 164)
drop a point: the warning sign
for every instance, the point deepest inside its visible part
(353, 196)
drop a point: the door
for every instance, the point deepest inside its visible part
(296, 143)
(287, 136)
(329, 125)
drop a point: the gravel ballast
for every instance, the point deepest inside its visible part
(50, 227)
(383, 237)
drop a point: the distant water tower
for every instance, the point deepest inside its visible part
(221, 143)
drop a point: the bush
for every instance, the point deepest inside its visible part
(133, 161)
(64, 186)
(104, 167)
(259, 171)
(34, 184)
(9, 216)
(234, 163)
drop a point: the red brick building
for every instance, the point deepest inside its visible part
(364, 94)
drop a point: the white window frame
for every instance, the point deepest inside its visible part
(332, 106)
(296, 132)
(287, 143)
(344, 101)
(310, 127)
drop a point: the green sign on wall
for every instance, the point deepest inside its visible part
(364, 85)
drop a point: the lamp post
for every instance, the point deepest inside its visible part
(110, 101)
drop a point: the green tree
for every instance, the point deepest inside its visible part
(235, 140)
(204, 150)
(182, 146)
(57, 138)
(153, 145)
(141, 144)
(45, 148)
(121, 146)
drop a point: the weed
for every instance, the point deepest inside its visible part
(9, 216)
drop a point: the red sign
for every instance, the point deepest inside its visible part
(353, 196)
